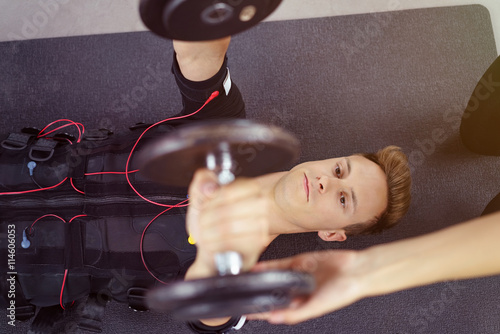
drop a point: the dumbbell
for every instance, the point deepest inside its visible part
(199, 20)
(230, 149)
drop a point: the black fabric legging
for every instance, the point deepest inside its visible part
(480, 127)
(492, 206)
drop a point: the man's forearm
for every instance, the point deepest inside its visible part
(463, 251)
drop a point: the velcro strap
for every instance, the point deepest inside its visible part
(42, 150)
(73, 250)
(16, 141)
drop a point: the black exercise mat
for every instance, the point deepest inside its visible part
(343, 85)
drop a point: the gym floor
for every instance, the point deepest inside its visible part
(25, 19)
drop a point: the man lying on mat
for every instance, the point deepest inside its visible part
(339, 197)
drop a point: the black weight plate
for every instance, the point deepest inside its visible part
(255, 149)
(227, 296)
(198, 20)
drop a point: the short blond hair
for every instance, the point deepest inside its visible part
(394, 164)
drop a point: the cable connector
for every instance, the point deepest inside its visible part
(31, 167)
(25, 243)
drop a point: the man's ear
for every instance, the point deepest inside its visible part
(336, 235)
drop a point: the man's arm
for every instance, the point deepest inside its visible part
(467, 250)
(220, 219)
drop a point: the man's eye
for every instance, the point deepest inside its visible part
(338, 171)
(342, 200)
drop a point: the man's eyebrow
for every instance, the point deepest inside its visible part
(354, 201)
(353, 194)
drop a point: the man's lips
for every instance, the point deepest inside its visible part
(306, 186)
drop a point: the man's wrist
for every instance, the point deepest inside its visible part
(373, 270)
(358, 273)
(200, 269)
(392, 267)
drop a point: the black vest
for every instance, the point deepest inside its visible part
(97, 240)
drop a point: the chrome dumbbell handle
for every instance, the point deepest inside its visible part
(220, 162)
(228, 263)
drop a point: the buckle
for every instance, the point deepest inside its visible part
(16, 141)
(42, 150)
(137, 299)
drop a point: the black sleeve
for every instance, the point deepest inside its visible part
(199, 327)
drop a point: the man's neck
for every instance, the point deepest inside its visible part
(279, 224)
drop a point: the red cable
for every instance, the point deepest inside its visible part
(66, 270)
(48, 215)
(33, 190)
(99, 173)
(80, 131)
(64, 120)
(127, 172)
(54, 130)
(71, 181)
(77, 216)
(212, 96)
(70, 142)
(62, 290)
(144, 232)
(41, 134)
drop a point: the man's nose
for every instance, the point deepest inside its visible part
(327, 183)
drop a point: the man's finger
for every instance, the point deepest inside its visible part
(259, 316)
(295, 313)
(204, 184)
(239, 189)
(282, 264)
(276, 315)
(202, 187)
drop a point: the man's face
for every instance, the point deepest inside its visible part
(328, 195)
